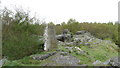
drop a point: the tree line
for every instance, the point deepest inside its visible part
(105, 31)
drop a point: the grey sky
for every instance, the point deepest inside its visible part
(58, 11)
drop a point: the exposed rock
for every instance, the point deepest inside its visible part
(68, 37)
(97, 62)
(65, 31)
(58, 50)
(77, 48)
(83, 65)
(87, 44)
(81, 38)
(60, 60)
(69, 48)
(43, 56)
(80, 32)
(64, 37)
(60, 37)
(106, 62)
(80, 43)
(80, 52)
(115, 61)
(64, 53)
(77, 39)
(70, 43)
(2, 61)
(61, 43)
(90, 40)
(108, 41)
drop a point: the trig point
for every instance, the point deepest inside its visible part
(50, 38)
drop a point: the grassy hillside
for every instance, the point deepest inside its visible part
(22, 34)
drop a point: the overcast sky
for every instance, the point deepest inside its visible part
(58, 11)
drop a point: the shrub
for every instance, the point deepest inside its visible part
(20, 35)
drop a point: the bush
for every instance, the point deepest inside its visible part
(20, 35)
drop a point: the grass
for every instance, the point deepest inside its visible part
(101, 52)
(26, 61)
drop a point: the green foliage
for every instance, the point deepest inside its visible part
(99, 30)
(20, 35)
(100, 52)
(26, 61)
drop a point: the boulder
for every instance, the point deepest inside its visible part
(77, 39)
(58, 50)
(64, 37)
(60, 37)
(68, 37)
(78, 49)
(87, 44)
(69, 43)
(65, 31)
(115, 61)
(69, 48)
(80, 52)
(80, 32)
(64, 53)
(61, 43)
(106, 62)
(97, 62)
(42, 57)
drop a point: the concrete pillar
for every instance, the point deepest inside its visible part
(51, 41)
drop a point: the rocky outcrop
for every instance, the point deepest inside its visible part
(65, 31)
(60, 37)
(41, 57)
(115, 61)
(60, 59)
(97, 62)
(75, 40)
(64, 37)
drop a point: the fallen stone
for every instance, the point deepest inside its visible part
(97, 62)
(87, 44)
(58, 50)
(69, 48)
(77, 48)
(84, 65)
(70, 43)
(106, 62)
(64, 53)
(115, 61)
(80, 52)
(42, 57)
(80, 32)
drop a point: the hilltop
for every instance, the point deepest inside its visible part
(83, 49)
